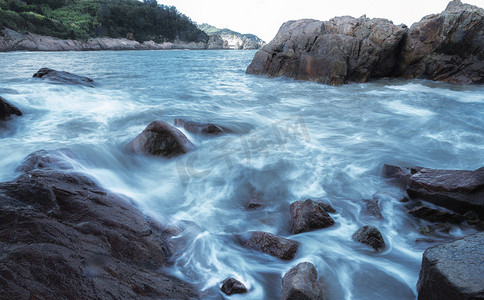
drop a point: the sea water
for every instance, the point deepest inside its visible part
(290, 140)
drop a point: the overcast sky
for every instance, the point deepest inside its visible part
(264, 17)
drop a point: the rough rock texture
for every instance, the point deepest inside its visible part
(448, 47)
(373, 208)
(216, 42)
(233, 286)
(371, 236)
(435, 215)
(269, 243)
(161, 139)
(301, 282)
(201, 128)
(64, 237)
(63, 77)
(308, 215)
(7, 109)
(453, 270)
(460, 191)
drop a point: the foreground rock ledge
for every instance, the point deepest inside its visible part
(445, 47)
(64, 237)
(454, 270)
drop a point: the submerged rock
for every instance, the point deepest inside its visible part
(64, 236)
(457, 190)
(161, 139)
(201, 128)
(371, 236)
(308, 215)
(63, 77)
(233, 286)
(269, 243)
(373, 208)
(453, 270)
(7, 109)
(435, 215)
(301, 282)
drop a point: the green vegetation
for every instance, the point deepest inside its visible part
(83, 19)
(211, 30)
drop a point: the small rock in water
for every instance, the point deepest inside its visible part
(371, 236)
(309, 215)
(63, 77)
(7, 109)
(201, 128)
(373, 208)
(233, 286)
(435, 215)
(161, 139)
(254, 203)
(269, 243)
(301, 282)
(435, 228)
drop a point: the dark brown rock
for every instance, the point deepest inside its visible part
(64, 237)
(308, 215)
(201, 128)
(63, 77)
(435, 215)
(373, 208)
(7, 109)
(301, 282)
(269, 243)
(161, 139)
(254, 203)
(457, 190)
(371, 236)
(453, 270)
(233, 286)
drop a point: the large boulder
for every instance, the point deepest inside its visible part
(448, 46)
(63, 77)
(309, 215)
(7, 109)
(370, 236)
(460, 191)
(161, 139)
(454, 270)
(64, 237)
(269, 243)
(301, 282)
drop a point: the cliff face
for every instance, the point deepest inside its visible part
(232, 39)
(448, 47)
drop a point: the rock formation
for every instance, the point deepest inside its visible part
(371, 236)
(63, 77)
(201, 128)
(269, 243)
(233, 286)
(7, 109)
(448, 47)
(308, 215)
(301, 282)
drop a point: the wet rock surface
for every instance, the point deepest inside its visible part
(161, 139)
(309, 215)
(233, 286)
(7, 109)
(201, 128)
(301, 282)
(453, 270)
(269, 243)
(63, 77)
(65, 237)
(435, 215)
(370, 236)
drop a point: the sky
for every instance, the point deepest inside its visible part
(264, 17)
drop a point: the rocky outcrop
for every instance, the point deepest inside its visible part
(301, 282)
(233, 286)
(453, 270)
(63, 77)
(201, 128)
(444, 47)
(308, 215)
(64, 237)
(435, 215)
(269, 243)
(7, 109)
(371, 236)
(457, 190)
(161, 139)
(232, 39)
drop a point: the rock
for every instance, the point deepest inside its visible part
(308, 215)
(447, 46)
(64, 237)
(434, 229)
(453, 270)
(7, 109)
(254, 203)
(371, 236)
(233, 286)
(269, 243)
(435, 215)
(63, 77)
(216, 42)
(301, 282)
(457, 190)
(373, 208)
(201, 128)
(161, 139)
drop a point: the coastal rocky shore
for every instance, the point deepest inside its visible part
(444, 47)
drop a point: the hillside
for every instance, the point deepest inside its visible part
(233, 39)
(83, 19)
